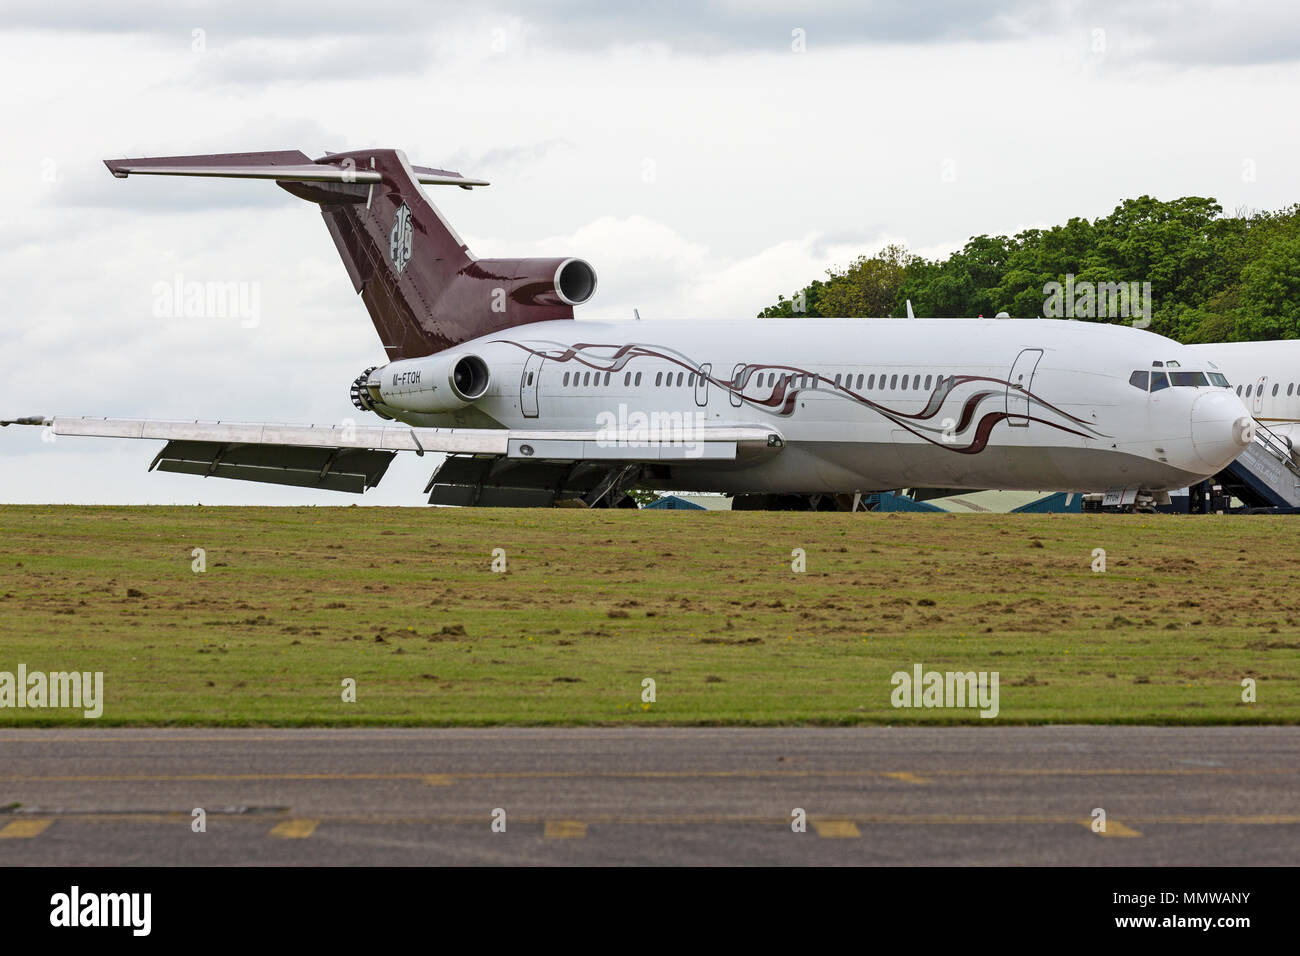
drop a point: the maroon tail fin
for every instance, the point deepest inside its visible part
(424, 290)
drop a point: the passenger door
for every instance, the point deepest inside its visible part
(737, 384)
(702, 384)
(528, 384)
(1019, 384)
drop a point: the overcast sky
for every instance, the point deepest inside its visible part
(703, 157)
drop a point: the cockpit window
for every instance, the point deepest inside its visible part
(1158, 381)
(1139, 380)
(1189, 379)
(1219, 379)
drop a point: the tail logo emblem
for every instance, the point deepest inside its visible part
(401, 239)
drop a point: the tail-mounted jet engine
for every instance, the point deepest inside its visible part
(435, 383)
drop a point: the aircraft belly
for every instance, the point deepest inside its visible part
(808, 467)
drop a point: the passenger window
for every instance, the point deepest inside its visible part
(1275, 391)
(1238, 389)
(659, 377)
(1140, 380)
(927, 383)
(680, 376)
(837, 379)
(859, 383)
(893, 381)
(637, 381)
(627, 379)
(1248, 390)
(607, 378)
(1288, 389)
(1158, 381)
(566, 378)
(586, 379)
(871, 382)
(530, 378)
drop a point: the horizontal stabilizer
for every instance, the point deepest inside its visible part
(282, 166)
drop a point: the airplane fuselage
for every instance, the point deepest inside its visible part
(869, 404)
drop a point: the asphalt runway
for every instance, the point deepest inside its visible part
(945, 796)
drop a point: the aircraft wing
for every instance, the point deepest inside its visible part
(354, 458)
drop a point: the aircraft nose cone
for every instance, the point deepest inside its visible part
(1221, 428)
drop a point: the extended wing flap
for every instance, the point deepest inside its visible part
(332, 469)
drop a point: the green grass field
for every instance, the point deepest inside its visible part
(404, 601)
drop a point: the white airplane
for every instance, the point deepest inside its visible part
(1267, 377)
(488, 365)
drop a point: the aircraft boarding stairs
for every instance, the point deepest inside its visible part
(1265, 475)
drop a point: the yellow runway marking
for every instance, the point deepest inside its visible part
(565, 830)
(24, 829)
(1113, 829)
(294, 829)
(439, 779)
(906, 777)
(836, 828)
(860, 820)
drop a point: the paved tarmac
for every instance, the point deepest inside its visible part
(382, 797)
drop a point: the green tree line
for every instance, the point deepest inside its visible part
(1213, 278)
